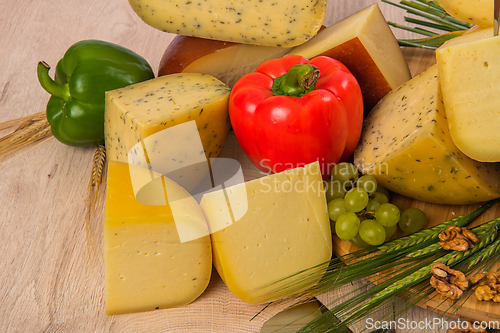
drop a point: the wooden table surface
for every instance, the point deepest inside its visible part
(47, 284)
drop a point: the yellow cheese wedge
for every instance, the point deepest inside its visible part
(292, 320)
(267, 229)
(407, 147)
(478, 12)
(365, 44)
(469, 74)
(147, 266)
(171, 124)
(271, 23)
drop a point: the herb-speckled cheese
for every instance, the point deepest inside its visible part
(407, 147)
(171, 124)
(273, 23)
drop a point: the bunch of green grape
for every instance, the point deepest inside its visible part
(360, 209)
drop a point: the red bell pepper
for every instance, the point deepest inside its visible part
(293, 111)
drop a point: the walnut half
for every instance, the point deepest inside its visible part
(489, 287)
(449, 283)
(458, 239)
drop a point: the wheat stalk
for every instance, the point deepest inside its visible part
(479, 231)
(95, 198)
(18, 121)
(485, 254)
(355, 309)
(426, 250)
(29, 130)
(432, 234)
(419, 237)
(428, 14)
(98, 165)
(424, 273)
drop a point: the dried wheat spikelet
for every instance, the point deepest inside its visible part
(29, 130)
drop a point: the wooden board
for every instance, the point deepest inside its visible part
(47, 283)
(472, 308)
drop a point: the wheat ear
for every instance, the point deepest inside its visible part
(29, 130)
(94, 201)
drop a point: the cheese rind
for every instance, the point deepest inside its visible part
(469, 74)
(366, 45)
(284, 229)
(147, 267)
(272, 23)
(407, 147)
(171, 124)
(226, 61)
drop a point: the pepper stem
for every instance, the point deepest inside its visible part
(299, 80)
(52, 87)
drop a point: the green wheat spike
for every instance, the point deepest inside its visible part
(425, 272)
(485, 254)
(426, 250)
(433, 233)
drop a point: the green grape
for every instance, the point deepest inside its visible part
(334, 189)
(380, 197)
(382, 190)
(356, 200)
(372, 232)
(368, 183)
(336, 207)
(389, 231)
(412, 220)
(372, 205)
(345, 172)
(347, 226)
(357, 241)
(387, 215)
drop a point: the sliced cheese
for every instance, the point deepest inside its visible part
(469, 74)
(366, 45)
(271, 23)
(147, 266)
(407, 147)
(269, 228)
(171, 124)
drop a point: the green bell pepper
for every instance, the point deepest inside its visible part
(88, 69)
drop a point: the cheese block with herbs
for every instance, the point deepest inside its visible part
(407, 147)
(172, 124)
(366, 45)
(281, 23)
(147, 265)
(269, 228)
(469, 75)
